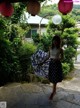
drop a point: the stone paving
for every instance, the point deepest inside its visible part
(35, 95)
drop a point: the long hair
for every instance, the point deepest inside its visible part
(58, 40)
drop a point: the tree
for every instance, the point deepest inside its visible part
(69, 35)
(18, 10)
(11, 34)
(52, 10)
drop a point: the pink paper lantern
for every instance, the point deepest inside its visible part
(65, 6)
(6, 9)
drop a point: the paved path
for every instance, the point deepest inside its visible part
(35, 95)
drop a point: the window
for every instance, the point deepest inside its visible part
(30, 33)
(33, 31)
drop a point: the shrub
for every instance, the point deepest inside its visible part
(66, 68)
(9, 64)
(40, 46)
(46, 41)
(25, 52)
(36, 38)
(69, 53)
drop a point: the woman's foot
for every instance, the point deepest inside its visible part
(52, 95)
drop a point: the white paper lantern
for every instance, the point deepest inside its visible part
(57, 19)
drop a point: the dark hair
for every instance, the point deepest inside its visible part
(56, 38)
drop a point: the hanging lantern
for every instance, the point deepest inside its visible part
(65, 6)
(57, 19)
(6, 9)
(33, 7)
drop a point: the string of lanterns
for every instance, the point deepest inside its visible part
(33, 7)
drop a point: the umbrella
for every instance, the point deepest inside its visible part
(37, 58)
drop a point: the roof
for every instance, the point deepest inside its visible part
(27, 18)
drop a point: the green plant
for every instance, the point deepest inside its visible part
(46, 41)
(25, 52)
(69, 54)
(9, 64)
(36, 38)
(66, 68)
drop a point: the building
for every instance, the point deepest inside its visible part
(37, 23)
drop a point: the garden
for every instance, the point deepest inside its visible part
(15, 54)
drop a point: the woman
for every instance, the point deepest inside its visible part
(55, 68)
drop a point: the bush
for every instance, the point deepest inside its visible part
(9, 64)
(69, 53)
(66, 68)
(46, 41)
(40, 46)
(36, 38)
(25, 52)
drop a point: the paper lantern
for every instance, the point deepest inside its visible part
(57, 19)
(33, 7)
(6, 9)
(65, 6)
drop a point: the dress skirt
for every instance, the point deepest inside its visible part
(55, 71)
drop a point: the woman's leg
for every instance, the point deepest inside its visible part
(54, 88)
(53, 92)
